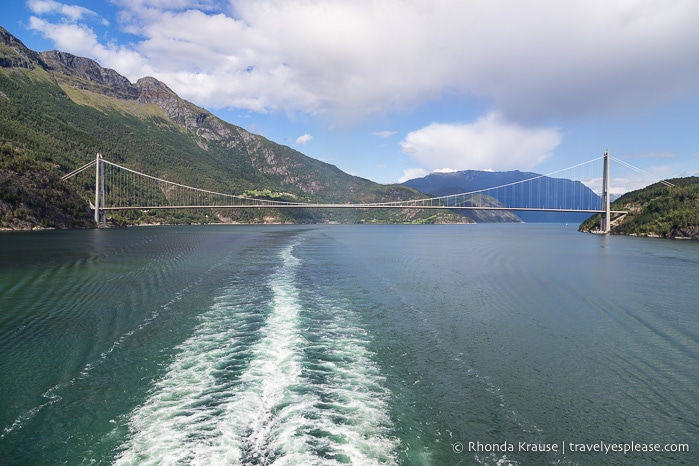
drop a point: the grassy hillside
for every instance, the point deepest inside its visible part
(59, 111)
(657, 210)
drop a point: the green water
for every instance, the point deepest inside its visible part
(463, 344)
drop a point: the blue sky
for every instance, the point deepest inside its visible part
(394, 89)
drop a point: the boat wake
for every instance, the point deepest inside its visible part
(267, 379)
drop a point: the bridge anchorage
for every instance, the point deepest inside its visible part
(118, 188)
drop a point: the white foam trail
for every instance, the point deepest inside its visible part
(280, 409)
(264, 397)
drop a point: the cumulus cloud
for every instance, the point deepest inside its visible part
(304, 139)
(530, 60)
(412, 173)
(79, 39)
(489, 143)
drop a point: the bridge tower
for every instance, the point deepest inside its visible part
(100, 216)
(606, 222)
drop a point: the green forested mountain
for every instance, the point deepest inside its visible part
(657, 210)
(57, 111)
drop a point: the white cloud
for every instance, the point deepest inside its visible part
(304, 139)
(71, 12)
(79, 39)
(445, 170)
(411, 174)
(489, 143)
(619, 186)
(531, 60)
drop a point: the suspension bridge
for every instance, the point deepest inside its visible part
(118, 188)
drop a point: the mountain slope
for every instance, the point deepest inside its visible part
(657, 210)
(60, 110)
(442, 184)
(32, 197)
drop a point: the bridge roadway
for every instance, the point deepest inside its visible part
(359, 206)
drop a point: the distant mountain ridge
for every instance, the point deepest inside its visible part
(443, 184)
(58, 110)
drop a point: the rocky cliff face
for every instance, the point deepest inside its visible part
(152, 91)
(263, 155)
(210, 129)
(87, 74)
(14, 54)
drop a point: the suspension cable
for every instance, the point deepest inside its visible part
(628, 165)
(78, 170)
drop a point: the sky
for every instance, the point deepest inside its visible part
(391, 90)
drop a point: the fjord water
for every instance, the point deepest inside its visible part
(305, 345)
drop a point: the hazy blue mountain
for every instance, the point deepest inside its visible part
(559, 191)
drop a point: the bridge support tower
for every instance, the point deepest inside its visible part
(606, 222)
(100, 215)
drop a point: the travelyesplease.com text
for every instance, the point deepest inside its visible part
(570, 447)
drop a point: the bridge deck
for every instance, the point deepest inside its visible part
(359, 206)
